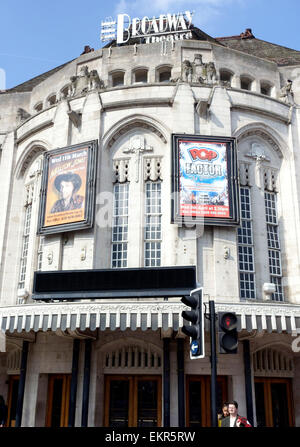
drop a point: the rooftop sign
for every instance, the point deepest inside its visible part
(165, 27)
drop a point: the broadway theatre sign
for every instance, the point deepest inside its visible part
(165, 27)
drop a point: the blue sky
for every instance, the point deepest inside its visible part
(36, 36)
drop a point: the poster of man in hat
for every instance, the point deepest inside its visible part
(66, 187)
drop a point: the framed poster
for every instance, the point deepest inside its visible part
(204, 180)
(68, 188)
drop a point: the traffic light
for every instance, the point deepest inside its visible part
(228, 336)
(195, 330)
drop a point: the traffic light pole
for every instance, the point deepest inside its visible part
(213, 361)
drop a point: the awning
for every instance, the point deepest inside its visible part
(271, 317)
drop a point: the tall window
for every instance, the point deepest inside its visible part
(153, 236)
(31, 245)
(246, 247)
(120, 225)
(26, 235)
(274, 254)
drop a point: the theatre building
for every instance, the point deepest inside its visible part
(130, 176)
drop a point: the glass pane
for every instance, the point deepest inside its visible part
(118, 408)
(195, 404)
(279, 405)
(147, 403)
(56, 402)
(260, 405)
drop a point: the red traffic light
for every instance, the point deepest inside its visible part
(228, 334)
(228, 321)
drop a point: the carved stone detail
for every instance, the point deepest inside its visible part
(244, 169)
(152, 168)
(257, 152)
(134, 125)
(120, 170)
(286, 93)
(22, 115)
(198, 71)
(263, 135)
(270, 179)
(85, 81)
(138, 146)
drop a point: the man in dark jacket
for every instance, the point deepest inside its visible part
(234, 419)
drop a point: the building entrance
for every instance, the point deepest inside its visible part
(273, 402)
(58, 400)
(198, 399)
(132, 401)
(12, 400)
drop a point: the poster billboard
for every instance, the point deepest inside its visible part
(67, 196)
(205, 183)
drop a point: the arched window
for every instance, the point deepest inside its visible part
(163, 74)
(65, 92)
(117, 78)
(258, 238)
(265, 88)
(31, 245)
(136, 239)
(246, 82)
(140, 76)
(226, 77)
(51, 100)
(38, 107)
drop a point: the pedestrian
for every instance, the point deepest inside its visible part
(224, 413)
(3, 412)
(234, 419)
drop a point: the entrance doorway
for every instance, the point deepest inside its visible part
(58, 400)
(12, 400)
(198, 409)
(132, 401)
(273, 402)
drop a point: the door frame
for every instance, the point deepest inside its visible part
(12, 379)
(65, 399)
(267, 381)
(205, 396)
(133, 396)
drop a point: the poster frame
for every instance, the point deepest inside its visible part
(88, 220)
(232, 176)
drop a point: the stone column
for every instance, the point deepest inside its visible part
(166, 383)
(181, 387)
(238, 391)
(173, 385)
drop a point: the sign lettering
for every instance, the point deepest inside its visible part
(165, 27)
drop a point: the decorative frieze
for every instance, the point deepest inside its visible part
(272, 363)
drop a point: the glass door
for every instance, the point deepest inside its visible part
(58, 400)
(198, 407)
(273, 402)
(148, 410)
(132, 401)
(12, 400)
